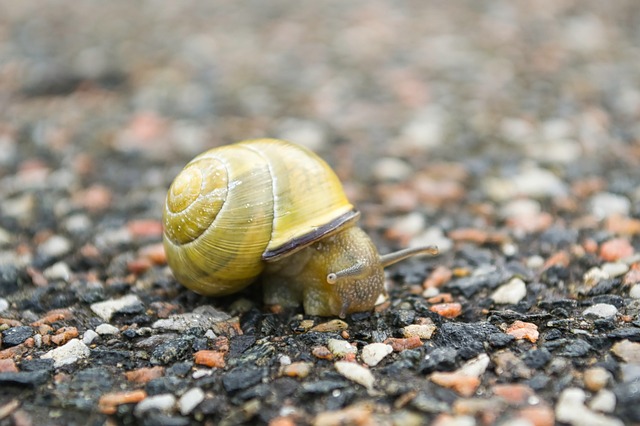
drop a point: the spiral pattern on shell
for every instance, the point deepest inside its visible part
(234, 207)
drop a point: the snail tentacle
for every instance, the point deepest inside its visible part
(352, 271)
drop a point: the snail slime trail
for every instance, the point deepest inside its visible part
(270, 209)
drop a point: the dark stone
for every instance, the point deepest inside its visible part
(500, 340)
(538, 382)
(37, 364)
(261, 354)
(403, 317)
(628, 401)
(242, 378)
(130, 333)
(558, 237)
(323, 386)
(604, 287)
(314, 338)
(180, 369)
(24, 378)
(611, 299)
(167, 384)
(200, 343)
(576, 348)
(11, 279)
(555, 275)
(560, 303)
(467, 338)
(552, 334)
(160, 419)
(632, 334)
(469, 286)
(93, 380)
(112, 357)
(536, 358)
(16, 335)
(439, 359)
(172, 351)
(239, 344)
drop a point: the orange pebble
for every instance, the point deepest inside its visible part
(400, 344)
(616, 249)
(461, 384)
(143, 375)
(447, 310)
(109, 402)
(209, 358)
(524, 331)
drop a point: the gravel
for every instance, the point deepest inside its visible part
(503, 132)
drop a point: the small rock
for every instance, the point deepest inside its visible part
(162, 402)
(57, 271)
(604, 401)
(391, 169)
(524, 330)
(190, 400)
(109, 307)
(616, 249)
(4, 304)
(213, 359)
(600, 310)
(447, 310)
(341, 348)
(373, 353)
(606, 204)
(356, 373)
(399, 344)
(203, 316)
(55, 246)
(145, 374)
(297, 369)
(615, 269)
(627, 351)
(109, 402)
(594, 275)
(16, 335)
(596, 378)
(71, 352)
(89, 336)
(570, 409)
(510, 293)
(107, 329)
(423, 331)
(634, 292)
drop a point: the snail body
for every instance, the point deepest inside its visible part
(268, 208)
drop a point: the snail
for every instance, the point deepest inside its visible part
(272, 209)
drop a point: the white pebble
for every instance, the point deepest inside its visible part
(89, 336)
(107, 308)
(391, 169)
(210, 334)
(55, 246)
(57, 271)
(190, 400)
(341, 347)
(423, 331)
(615, 269)
(570, 409)
(107, 329)
(634, 292)
(71, 352)
(4, 304)
(162, 402)
(284, 360)
(373, 353)
(607, 204)
(475, 367)
(594, 275)
(432, 237)
(510, 293)
(604, 401)
(356, 373)
(535, 262)
(601, 310)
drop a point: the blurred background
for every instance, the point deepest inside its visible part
(419, 106)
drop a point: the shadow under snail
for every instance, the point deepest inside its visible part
(271, 209)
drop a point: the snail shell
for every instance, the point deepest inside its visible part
(270, 207)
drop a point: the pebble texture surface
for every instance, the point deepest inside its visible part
(506, 133)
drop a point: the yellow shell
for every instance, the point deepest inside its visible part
(235, 207)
